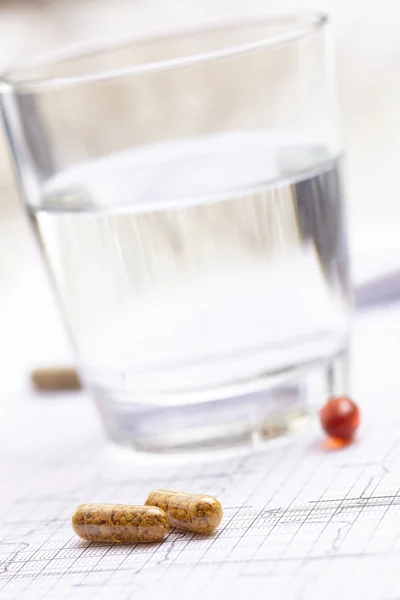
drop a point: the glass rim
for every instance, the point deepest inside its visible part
(300, 26)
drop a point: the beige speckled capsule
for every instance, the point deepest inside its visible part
(120, 523)
(190, 512)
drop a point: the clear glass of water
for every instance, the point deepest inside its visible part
(187, 194)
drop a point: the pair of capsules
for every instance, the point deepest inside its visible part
(149, 523)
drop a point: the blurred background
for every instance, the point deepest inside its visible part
(368, 65)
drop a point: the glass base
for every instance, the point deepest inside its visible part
(274, 405)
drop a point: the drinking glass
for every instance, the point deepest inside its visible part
(187, 194)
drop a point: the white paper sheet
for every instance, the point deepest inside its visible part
(301, 522)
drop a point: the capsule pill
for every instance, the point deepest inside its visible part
(54, 379)
(120, 523)
(340, 417)
(189, 512)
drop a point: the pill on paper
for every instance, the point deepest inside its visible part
(340, 417)
(190, 512)
(120, 523)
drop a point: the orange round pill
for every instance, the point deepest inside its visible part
(340, 417)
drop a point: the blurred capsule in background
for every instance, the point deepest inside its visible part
(55, 379)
